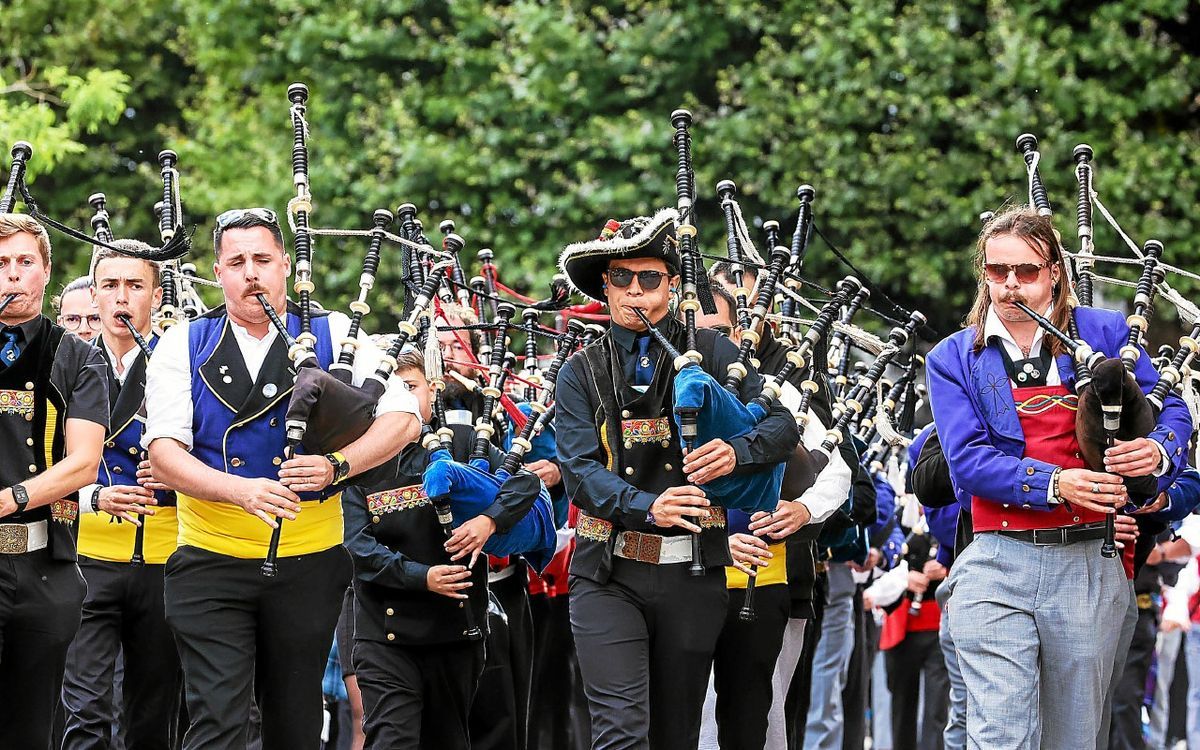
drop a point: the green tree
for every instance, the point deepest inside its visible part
(529, 123)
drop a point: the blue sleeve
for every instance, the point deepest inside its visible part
(1182, 497)
(1174, 427)
(374, 562)
(977, 467)
(589, 484)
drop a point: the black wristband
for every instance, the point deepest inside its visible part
(20, 496)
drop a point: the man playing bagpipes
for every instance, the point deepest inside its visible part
(123, 567)
(217, 392)
(1036, 610)
(53, 417)
(417, 662)
(645, 628)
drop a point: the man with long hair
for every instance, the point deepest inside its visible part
(1035, 610)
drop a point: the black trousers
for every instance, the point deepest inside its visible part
(744, 664)
(1125, 733)
(417, 696)
(123, 611)
(40, 601)
(795, 707)
(645, 642)
(239, 632)
(558, 714)
(500, 718)
(918, 657)
(856, 695)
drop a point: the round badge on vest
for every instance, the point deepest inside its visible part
(269, 390)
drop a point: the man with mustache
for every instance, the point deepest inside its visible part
(221, 447)
(123, 609)
(1035, 610)
(53, 416)
(645, 629)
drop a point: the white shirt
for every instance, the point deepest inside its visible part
(169, 377)
(832, 487)
(994, 327)
(126, 361)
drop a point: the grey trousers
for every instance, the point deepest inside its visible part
(954, 737)
(1119, 658)
(1168, 651)
(831, 660)
(1035, 629)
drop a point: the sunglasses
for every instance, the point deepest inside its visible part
(226, 218)
(623, 277)
(1027, 273)
(73, 322)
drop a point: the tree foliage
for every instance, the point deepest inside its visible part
(529, 123)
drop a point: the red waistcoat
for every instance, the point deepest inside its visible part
(1047, 415)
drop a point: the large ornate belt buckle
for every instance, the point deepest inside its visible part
(650, 549)
(14, 538)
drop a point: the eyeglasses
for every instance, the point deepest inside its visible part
(1027, 273)
(265, 215)
(623, 277)
(73, 322)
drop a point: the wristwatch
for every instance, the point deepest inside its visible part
(341, 467)
(20, 496)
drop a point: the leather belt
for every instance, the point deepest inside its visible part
(19, 538)
(1057, 537)
(653, 549)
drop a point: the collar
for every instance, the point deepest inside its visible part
(126, 361)
(246, 338)
(994, 328)
(28, 329)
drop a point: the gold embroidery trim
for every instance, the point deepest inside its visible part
(399, 499)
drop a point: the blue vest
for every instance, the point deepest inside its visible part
(246, 438)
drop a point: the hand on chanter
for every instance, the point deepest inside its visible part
(749, 551)
(1093, 490)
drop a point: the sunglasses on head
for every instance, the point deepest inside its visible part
(1027, 273)
(226, 218)
(623, 277)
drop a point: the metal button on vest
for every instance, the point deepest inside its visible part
(628, 471)
(391, 636)
(277, 460)
(1075, 519)
(1029, 471)
(1004, 524)
(667, 467)
(389, 611)
(28, 417)
(460, 605)
(132, 450)
(666, 443)
(1170, 436)
(110, 444)
(624, 414)
(117, 470)
(1025, 488)
(274, 421)
(1004, 505)
(32, 468)
(29, 387)
(628, 444)
(29, 442)
(374, 519)
(235, 462)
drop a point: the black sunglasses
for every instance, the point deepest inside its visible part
(1027, 273)
(623, 277)
(226, 218)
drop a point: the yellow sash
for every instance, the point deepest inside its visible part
(228, 530)
(102, 538)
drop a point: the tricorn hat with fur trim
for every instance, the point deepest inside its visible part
(639, 237)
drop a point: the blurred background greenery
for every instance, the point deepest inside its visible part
(529, 123)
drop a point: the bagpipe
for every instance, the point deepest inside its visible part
(1111, 404)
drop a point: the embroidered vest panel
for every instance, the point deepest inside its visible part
(1047, 415)
(32, 421)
